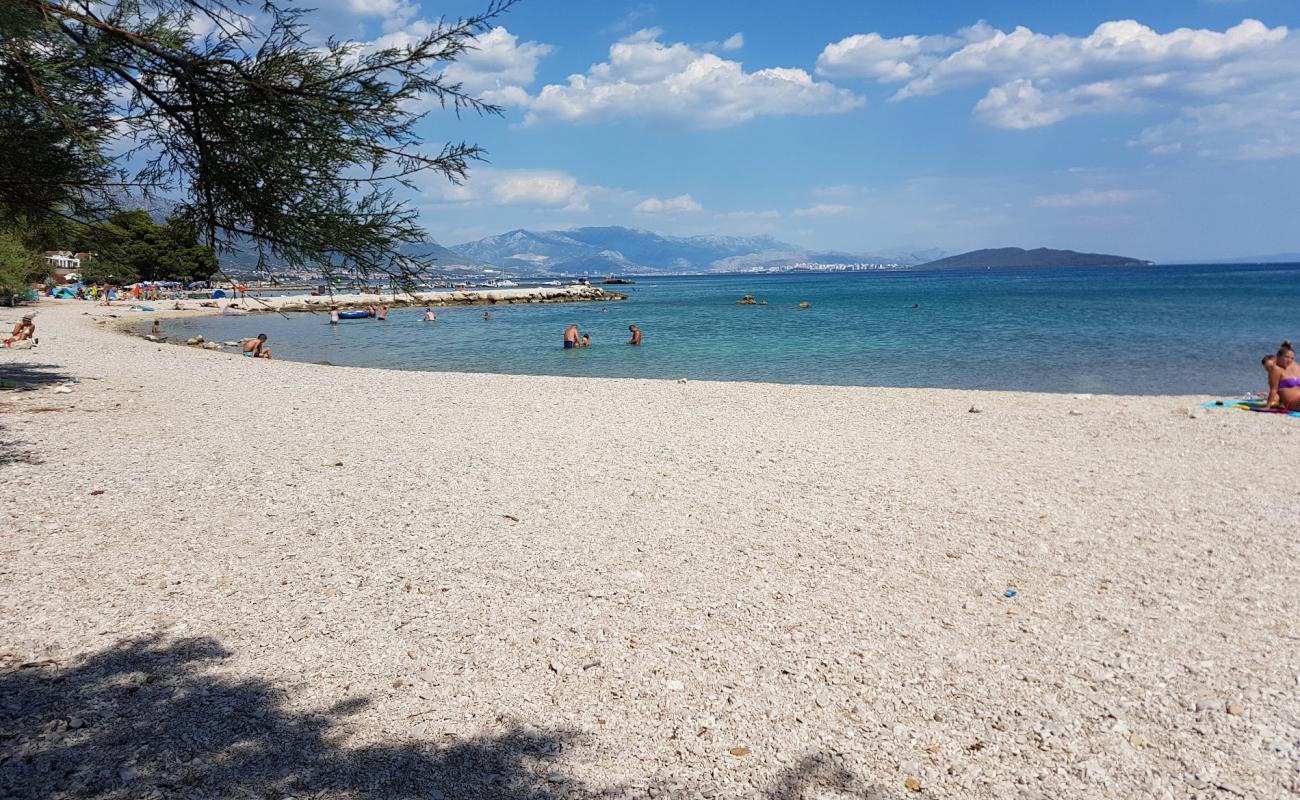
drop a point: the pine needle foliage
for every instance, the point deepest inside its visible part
(298, 147)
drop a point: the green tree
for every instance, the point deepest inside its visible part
(106, 270)
(20, 266)
(130, 246)
(297, 147)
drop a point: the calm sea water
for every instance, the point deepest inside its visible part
(1166, 329)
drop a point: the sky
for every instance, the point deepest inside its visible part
(1163, 130)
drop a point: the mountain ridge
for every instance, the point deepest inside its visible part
(1018, 257)
(621, 250)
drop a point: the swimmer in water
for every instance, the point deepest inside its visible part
(636, 335)
(429, 316)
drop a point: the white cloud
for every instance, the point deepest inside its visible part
(1237, 91)
(1089, 198)
(824, 210)
(733, 42)
(540, 188)
(498, 69)
(1262, 129)
(647, 78)
(1119, 49)
(1247, 111)
(678, 204)
(1022, 103)
(395, 13)
(499, 63)
(896, 59)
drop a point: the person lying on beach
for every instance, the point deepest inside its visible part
(570, 337)
(256, 348)
(586, 340)
(1284, 380)
(636, 335)
(429, 316)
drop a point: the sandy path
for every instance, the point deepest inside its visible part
(302, 581)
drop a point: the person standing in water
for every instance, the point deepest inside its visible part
(429, 316)
(636, 335)
(486, 316)
(571, 337)
(334, 315)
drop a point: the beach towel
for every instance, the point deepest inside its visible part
(1250, 405)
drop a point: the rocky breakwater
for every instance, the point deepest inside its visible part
(541, 294)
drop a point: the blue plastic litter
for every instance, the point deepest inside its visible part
(1010, 593)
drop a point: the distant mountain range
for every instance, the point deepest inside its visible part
(1012, 257)
(621, 251)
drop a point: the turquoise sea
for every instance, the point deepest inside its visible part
(1146, 330)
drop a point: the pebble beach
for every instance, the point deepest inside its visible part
(230, 577)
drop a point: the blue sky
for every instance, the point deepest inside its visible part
(1166, 130)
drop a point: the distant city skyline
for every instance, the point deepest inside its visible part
(1166, 131)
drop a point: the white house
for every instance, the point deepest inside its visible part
(63, 259)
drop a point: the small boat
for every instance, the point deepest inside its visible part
(358, 314)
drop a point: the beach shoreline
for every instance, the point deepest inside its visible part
(612, 586)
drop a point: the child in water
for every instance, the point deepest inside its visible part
(586, 340)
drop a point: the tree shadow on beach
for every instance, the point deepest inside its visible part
(20, 376)
(820, 776)
(15, 451)
(150, 718)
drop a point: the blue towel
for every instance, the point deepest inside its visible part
(1249, 405)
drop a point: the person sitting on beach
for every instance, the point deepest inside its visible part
(570, 337)
(586, 340)
(636, 335)
(1284, 380)
(1267, 362)
(429, 316)
(24, 330)
(156, 330)
(334, 315)
(256, 348)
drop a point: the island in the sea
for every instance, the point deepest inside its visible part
(1011, 257)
